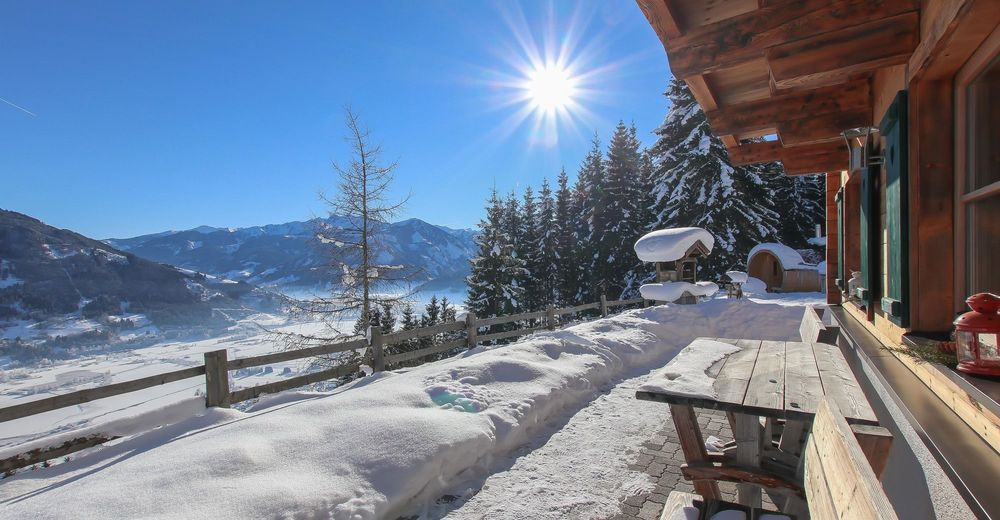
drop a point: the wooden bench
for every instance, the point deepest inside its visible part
(838, 477)
(812, 329)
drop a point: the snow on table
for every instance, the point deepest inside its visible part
(392, 443)
(667, 245)
(687, 374)
(737, 276)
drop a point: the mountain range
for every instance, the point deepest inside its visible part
(288, 257)
(47, 272)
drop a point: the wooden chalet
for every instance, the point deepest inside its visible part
(897, 102)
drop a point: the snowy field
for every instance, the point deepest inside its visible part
(244, 340)
(542, 428)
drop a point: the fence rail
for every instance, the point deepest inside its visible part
(217, 366)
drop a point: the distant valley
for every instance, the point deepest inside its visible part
(288, 258)
(63, 294)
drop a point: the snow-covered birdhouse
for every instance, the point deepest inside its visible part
(676, 252)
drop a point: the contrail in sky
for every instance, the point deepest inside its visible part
(22, 109)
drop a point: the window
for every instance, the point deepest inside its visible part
(978, 179)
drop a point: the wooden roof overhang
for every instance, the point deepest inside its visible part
(800, 70)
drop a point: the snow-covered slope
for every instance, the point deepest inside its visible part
(287, 256)
(384, 447)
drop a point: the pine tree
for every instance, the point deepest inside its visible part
(642, 272)
(622, 211)
(800, 200)
(547, 235)
(513, 227)
(492, 282)
(408, 321)
(387, 318)
(695, 185)
(566, 226)
(590, 203)
(528, 242)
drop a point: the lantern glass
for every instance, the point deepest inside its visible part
(965, 340)
(988, 346)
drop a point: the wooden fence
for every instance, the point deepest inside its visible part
(217, 366)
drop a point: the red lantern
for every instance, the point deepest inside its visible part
(976, 333)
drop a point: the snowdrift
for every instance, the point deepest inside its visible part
(671, 291)
(383, 447)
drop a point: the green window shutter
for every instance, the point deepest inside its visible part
(869, 239)
(895, 300)
(841, 281)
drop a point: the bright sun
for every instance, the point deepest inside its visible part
(551, 88)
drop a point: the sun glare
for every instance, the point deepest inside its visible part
(551, 88)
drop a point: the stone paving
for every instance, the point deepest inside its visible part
(661, 458)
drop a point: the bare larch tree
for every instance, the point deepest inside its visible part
(353, 236)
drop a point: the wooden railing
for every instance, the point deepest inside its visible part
(217, 365)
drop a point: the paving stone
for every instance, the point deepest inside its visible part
(650, 511)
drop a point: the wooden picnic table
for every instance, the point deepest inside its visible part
(767, 380)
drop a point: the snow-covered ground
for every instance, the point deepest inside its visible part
(28, 384)
(542, 428)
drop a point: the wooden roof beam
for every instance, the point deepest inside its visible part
(832, 57)
(745, 37)
(770, 151)
(662, 18)
(769, 113)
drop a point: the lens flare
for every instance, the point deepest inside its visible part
(550, 88)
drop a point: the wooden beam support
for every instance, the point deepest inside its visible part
(832, 57)
(745, 37)
(823, 128)
(768, 151)
(768, 113)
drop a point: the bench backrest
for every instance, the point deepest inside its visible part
(839, 481)
(812, 329)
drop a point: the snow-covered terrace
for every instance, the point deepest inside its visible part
(547, 427)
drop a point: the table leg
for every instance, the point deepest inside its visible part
(748, 439)
(791, 437)
(693, 446)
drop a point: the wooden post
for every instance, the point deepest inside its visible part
(378, 355)
(217, 379)
(875, 442)
(550, 317)
(471, 330)
(748, 442)
(604, 306)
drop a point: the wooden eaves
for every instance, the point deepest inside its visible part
(799, 70)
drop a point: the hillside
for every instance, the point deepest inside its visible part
(47, 273)
(288, 257)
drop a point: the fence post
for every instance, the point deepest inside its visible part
(604, 306)
(378, 353)
(471, 330)
(550, 317)
(217, 379)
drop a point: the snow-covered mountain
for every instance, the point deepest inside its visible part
(289, 258)
(56, 274)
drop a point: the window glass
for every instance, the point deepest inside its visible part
(984, 128)
(983, 246)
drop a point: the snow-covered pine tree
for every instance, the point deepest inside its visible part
(494, 270)
(528, 250)
(800, 200)
(565, 226)
(621, 212)
(642, 272)
(590, 202)
(695, 185)
(513, 226)
(547, 233)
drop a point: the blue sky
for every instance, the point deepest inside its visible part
(147, 116)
